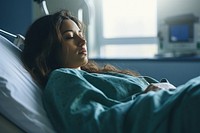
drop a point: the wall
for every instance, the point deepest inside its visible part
(72, 5)
(15, 15)
(167, 8)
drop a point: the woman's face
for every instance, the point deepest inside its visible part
(74, 50)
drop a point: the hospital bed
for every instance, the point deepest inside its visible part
(21, 105)
(21, 108)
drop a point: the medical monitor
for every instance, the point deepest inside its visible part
(181, 33)
(180, 36)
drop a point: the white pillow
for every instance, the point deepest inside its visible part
(20, 96)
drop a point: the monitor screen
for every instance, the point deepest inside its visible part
(181, 33)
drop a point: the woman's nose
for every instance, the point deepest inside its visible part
(82, 41)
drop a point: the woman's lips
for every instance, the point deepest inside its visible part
(83, 51)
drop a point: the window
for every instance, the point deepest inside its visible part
(126, 28)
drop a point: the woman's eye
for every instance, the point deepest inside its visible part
(68, 37)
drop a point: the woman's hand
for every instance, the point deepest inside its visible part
(159, 86)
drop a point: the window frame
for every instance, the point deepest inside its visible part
(101, 41)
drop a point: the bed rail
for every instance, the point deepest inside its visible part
(7, 33)
(18, 39)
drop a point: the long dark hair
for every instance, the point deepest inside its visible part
(42, 42)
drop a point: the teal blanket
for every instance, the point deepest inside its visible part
(81, 102)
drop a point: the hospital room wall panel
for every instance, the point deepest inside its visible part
(15, 15)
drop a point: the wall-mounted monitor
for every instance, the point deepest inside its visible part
(180, 35)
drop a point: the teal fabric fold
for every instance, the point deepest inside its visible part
(77, 101)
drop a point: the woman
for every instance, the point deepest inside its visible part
(49, 45)
(81, 97)
(45, 48)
